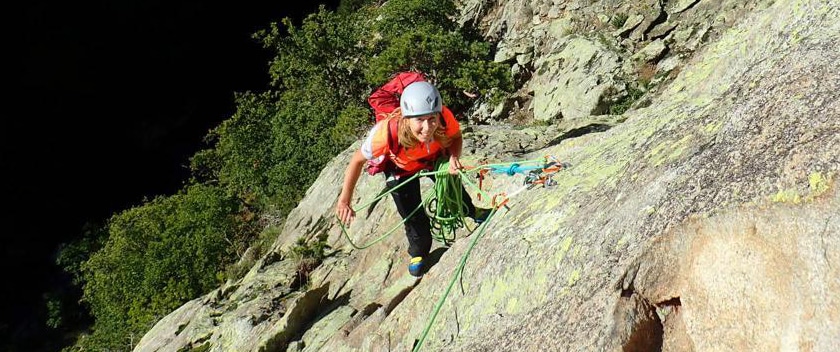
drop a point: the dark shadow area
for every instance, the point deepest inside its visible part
(400, 297)
(572, 133)
(326, 308)
(434, 257)
(577, 132)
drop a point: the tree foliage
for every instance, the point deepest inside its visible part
(172, 249)
(158, 256)
(422, 35)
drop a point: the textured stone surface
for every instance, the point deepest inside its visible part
(706, 221)
(574, 82)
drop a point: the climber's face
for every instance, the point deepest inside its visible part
(423, 127)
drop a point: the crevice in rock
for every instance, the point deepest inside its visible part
(388, 271)
(637, 326)
(647, 333)
(326, 307)
(358, 318)
(577, 132)
(298, 318)
(372, 206)
(672, 302)
(394, 302)
(688, 7)
(200, 344)
(271, 258)
(369, 309)
(180, 328)
(660, 19)
(664, 33)
(196, 348)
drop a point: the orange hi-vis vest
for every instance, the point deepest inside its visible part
(421, 156)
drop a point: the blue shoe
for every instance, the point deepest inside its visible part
(481, 215)
(415, 267)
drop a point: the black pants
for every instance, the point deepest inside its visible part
(417, 229)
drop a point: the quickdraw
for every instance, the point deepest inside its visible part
(544, 176)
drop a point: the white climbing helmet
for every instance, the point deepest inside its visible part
(420, 98)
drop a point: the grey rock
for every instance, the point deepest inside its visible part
(662, 30)
(573, 82)
(560, 28)
(668, 64)
(653, 13)
(630, 24)
(650, 52)
(705, 221)
(524, 59)
(680, 5)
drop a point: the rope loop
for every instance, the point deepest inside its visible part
(512, 169)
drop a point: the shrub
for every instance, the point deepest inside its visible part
(618, 20)
(157, 257)
(307, 256)
(422, 34)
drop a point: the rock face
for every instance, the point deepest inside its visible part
(708, 220)
(572, 83)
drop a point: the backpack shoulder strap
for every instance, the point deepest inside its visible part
(444, 113)
(393, 135)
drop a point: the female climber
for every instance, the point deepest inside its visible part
(424, 131)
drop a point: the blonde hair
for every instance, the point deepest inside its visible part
(407, 139)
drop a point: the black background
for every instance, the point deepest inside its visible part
(105, 102)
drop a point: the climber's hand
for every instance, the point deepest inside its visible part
(454, 165)
(344, 212)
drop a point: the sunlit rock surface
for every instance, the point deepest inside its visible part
(705, 219)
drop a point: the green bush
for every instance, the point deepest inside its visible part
(157, 257)
(277, 142)
(618, 20)
(242, 158)
(308, 256)
(422, 35)
(625, 102)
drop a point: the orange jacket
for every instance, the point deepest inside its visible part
(413, 159)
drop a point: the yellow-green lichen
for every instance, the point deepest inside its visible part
(564, 248)
(577, 251)
(512, 305)
(658, 154)
(679, 147)
(619, 245)
(658, 149)
(787, 196)
(795, 38)
(818, 184)
(574, 277)
(714, 126)
(506, 292)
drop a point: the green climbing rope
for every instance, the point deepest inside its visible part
(447, 209)
(444, 206)
(456, 274)
(374, 200)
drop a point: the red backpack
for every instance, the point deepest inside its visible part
(387, 98)
(383, 101)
